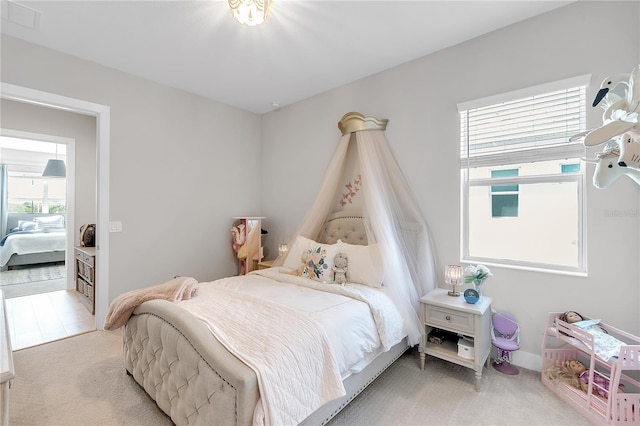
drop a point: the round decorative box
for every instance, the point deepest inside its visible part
(471, 295)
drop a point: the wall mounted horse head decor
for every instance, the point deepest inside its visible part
(629, 144)
(607, 168)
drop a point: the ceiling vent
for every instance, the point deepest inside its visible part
(20, 14)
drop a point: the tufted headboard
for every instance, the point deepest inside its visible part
(347, 226)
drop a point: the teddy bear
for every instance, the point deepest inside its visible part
(340, 269)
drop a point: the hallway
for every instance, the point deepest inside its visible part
(45, 317)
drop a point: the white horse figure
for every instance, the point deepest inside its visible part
(613, 106)
(629, 144)
(607, 168)
(621, 114)
(632, 81)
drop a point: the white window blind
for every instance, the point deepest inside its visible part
(532, 128)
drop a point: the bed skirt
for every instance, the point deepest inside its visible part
(34, 259)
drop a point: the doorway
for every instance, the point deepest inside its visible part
(36, 280)
(102, 116)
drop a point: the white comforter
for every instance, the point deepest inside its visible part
(297, 374)
(32, 243)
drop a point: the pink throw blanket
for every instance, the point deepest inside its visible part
(179, 288)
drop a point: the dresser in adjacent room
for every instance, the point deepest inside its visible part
(85, 259)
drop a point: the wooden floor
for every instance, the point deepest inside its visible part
(46, 317)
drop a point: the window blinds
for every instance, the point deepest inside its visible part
(532, 128)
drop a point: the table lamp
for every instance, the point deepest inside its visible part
(453, 277)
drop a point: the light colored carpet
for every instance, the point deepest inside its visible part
(78, 381)
(82, 381)
(444, 394)
(33, 280)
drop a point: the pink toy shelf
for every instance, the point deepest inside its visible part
(563, 341)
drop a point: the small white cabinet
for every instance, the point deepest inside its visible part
(454, 314)
(85, 259)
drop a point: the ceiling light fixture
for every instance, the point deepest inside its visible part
(250, 12)
(55, 168)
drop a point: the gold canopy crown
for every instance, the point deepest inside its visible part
(354, 122)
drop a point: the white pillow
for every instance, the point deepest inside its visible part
(26, 225)
(49, 222)
(313, 260)
(364, 264)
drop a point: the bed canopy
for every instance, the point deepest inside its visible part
(363, 177)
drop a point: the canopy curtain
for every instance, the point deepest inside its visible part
(4, 198)
(392, 217)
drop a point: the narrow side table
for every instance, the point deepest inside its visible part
(454, 314)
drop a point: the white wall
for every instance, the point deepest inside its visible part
(420, 100)
(181, 166)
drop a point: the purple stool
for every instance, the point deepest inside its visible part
(505, 336)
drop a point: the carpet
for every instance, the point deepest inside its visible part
(82, 381)
(22, 275)
(78, 381)
(33, 280)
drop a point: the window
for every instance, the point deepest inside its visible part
(27, 190)
(504, 198)
(522, 184)
(570, 168)
(35, 194)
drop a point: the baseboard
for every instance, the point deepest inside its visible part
(527, 360)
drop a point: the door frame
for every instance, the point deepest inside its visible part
(102, 113)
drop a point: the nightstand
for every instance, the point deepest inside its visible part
(455, 315)
(265, 264)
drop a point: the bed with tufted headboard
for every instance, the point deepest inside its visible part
(345, 226)
(186, 365)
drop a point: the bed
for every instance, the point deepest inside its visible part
(189, 360)
(33, 239)
(170, 349)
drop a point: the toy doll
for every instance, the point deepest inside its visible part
(606, 346)
(571, 317)
(574, 373)
(561, 372)
(340, 269)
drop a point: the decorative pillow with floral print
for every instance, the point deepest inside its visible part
(311, 259)
(315, 264)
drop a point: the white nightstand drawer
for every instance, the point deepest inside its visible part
(451, 320)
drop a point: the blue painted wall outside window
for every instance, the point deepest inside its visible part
(504, 198)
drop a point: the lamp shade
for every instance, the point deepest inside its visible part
(453, 275)
(55, 168)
